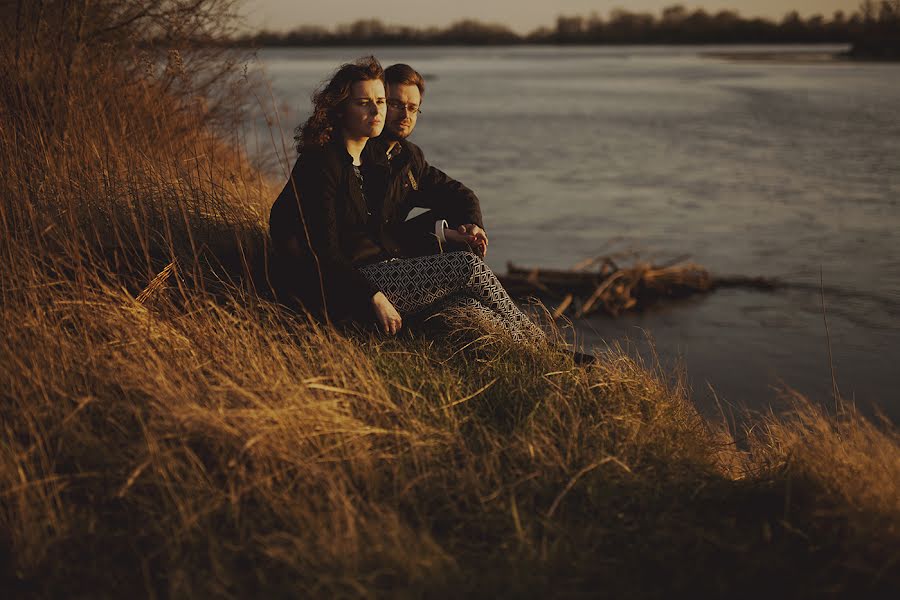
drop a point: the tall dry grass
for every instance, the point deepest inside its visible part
(205, 442)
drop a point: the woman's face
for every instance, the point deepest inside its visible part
(364, 110)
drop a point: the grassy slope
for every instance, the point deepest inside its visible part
(205, 441)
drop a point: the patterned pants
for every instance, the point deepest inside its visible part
(450, 281)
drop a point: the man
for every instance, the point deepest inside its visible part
(454, 218)
(412, 182)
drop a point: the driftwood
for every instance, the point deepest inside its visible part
(599, 284)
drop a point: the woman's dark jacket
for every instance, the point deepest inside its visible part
(338, 228)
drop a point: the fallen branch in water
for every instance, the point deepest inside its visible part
(613, 289)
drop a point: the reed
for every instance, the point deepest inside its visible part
(168, 431)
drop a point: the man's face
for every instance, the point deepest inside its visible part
(403, 109)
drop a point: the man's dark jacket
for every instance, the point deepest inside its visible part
(323, 226)
(406, 181)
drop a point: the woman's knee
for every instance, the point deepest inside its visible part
(473, 263)
(458, 270)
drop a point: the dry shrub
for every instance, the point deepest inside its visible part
(176, 427)
(112, 131)
(207, 447)
(850, 464)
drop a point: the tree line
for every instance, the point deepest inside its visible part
(879, 20)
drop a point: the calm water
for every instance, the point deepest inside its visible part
(780, 170)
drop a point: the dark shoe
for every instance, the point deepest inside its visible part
(583, 359)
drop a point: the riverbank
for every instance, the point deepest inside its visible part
(181, 435)
(869, 52)
(215, 449)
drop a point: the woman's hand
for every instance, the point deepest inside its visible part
(386, 314)
(470, 234)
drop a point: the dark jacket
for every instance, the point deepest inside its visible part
(406, 181)
(321, 238)
(321, 230)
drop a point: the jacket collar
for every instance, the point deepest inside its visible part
(398, 157)
(398, 150)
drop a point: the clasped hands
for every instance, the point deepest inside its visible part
(470, 234)
(385, 312)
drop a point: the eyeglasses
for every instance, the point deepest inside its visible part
(410, 108)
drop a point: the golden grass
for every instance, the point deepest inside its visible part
(198, 440)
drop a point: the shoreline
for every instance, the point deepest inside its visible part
(785, 57)
(799, 57)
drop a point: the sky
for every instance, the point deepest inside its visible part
(520, 15)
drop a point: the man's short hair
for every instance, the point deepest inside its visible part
(401, 74)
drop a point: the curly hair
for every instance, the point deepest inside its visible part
(330, 98)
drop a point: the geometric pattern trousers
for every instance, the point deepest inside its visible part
(450, 281)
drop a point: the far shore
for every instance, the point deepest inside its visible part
(878, 51)
(781, 55)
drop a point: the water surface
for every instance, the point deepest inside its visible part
(781, 170)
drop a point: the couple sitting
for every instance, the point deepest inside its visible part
(342, 239)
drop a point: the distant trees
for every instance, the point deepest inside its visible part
(880, 30)
(676, 24)
(474, 32)
(375, 32)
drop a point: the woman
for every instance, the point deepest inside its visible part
(328, 232)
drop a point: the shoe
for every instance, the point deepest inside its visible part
(583, 359)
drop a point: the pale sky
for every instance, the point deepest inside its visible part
(521, 16)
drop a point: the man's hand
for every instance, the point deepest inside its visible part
(470, 234)
(386, 314)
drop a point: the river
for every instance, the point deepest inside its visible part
(787, 170)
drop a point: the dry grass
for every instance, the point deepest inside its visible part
(203, 441)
